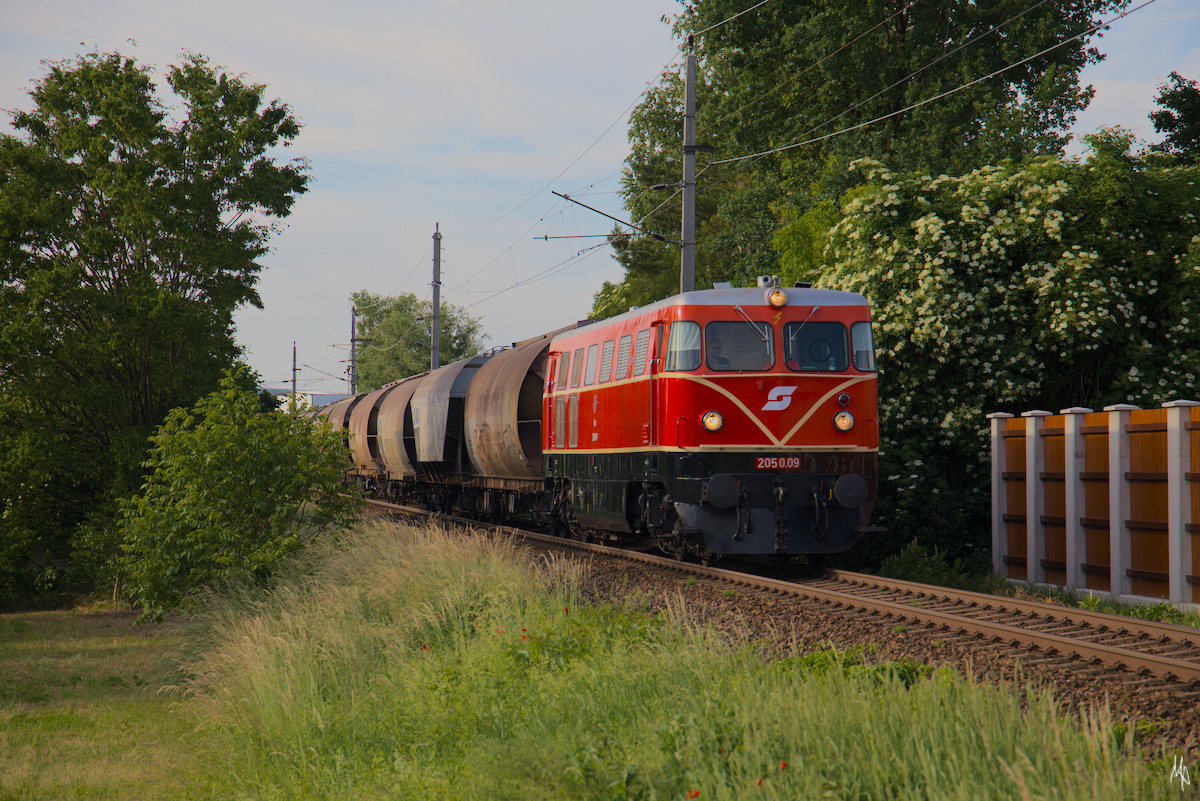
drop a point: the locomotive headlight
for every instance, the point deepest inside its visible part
(843, 421)
(712, 421)
(777, 297)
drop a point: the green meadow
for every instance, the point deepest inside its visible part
(82, 714)
(410, 663)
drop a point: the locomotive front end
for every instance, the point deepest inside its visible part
(768, 400)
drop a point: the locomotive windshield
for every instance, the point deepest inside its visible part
(739, 346)
(815, 347)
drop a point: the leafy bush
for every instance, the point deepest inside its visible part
(230, 490)
(1042, 285)
(915, 563)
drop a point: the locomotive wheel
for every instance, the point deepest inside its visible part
(582, 534)
(680, 553)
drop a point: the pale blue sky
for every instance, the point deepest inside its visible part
(457, 113)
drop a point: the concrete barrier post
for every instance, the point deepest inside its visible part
(1118, 500)
(1179, 497)
(999, 497)
(1035, 496)
(1073, 463)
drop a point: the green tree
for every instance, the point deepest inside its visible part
(230, 490)
(395, 336)
(129, 234)
(794, 71)
(1178, 117)
(1044, 285)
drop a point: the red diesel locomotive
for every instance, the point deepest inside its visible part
(713, 422)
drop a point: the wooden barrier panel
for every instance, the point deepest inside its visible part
(1099, 501)
(1094, 519)
(1054, 507)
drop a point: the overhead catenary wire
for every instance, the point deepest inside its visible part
(547, 273)
(750, 159)
(731, 19)
(807, 69)
(346, 317)
(407, 331)
(622, 116)
(937, 97)
(586, 150)
(763, 96)
(915, 72)
(638, 225)
(590, 251)
(548, 184)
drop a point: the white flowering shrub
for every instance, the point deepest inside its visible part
(1044, 285)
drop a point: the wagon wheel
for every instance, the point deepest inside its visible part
(707, 557)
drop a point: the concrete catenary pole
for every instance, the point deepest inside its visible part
(353, 353)
(687, 262)
(435, 334)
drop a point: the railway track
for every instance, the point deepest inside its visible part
(1134, 652)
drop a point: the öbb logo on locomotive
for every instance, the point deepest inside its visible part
(649, 425)
(778, 399)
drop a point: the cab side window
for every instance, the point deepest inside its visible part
(863, 345)
(564, 367)
(577, 373)
(589, 372)
(683, 346)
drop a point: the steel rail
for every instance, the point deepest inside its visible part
(1101, 620)
(1164, 667)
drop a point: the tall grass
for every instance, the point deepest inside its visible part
(414, 664)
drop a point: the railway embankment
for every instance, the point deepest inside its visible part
(417, 663)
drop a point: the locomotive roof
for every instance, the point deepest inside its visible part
(748, 296)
